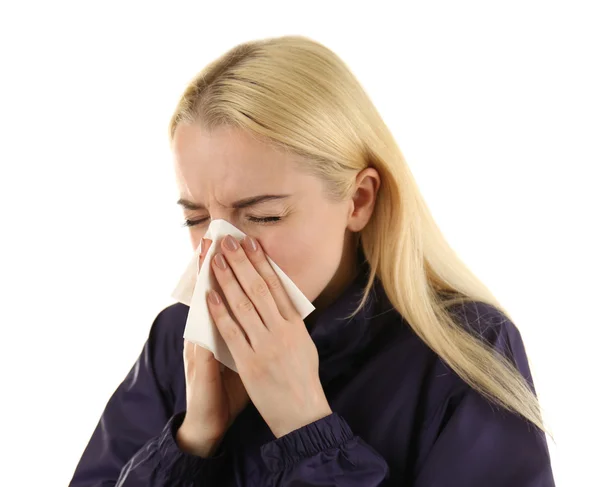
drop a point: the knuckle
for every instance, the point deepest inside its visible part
(271, 354)
(256, 371)
(244, 305)
(231, 332)
(238, 257)
(286, 347)
(260, 288)
(273, 281)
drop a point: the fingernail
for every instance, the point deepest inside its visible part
(231, 243)
(250, 243)
(220, 261)
(214, 297)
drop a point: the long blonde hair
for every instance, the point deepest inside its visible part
(297, 95)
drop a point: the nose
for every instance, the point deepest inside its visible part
(222, 214)
(198, 232)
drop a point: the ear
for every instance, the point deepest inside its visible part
(363, 200)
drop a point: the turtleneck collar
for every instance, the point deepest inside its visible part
(339, 339)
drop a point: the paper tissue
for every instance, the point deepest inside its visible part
(195, 284)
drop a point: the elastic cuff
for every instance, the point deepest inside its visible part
(323, 434)
(181, 467)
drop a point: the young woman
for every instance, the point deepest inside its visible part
(408, 373)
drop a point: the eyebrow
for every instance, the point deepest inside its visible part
(243, 203)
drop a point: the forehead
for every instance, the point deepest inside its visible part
(228, 163)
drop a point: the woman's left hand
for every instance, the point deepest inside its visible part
(275, 356)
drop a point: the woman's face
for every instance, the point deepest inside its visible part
(309, 236)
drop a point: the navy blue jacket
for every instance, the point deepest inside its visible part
(400, 417)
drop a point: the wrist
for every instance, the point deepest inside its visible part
(191, 443)
(298, 423)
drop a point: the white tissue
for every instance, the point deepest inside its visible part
(194, 286)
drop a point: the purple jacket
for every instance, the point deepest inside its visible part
(401, 416)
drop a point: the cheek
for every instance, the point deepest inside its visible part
(287, 251)
(309, 255)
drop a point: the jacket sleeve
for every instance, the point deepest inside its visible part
(467, 442)
(476, 446)
(325, 452)
(134, 441)
(471, 442)
(481, 445)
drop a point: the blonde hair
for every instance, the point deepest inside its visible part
(297, 95)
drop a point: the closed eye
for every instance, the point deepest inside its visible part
(261, 220)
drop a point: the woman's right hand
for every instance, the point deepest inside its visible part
(214, 399)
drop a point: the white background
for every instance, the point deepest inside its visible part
(494, 104)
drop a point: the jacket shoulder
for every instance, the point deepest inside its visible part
(487, 322)
(496, 329)
(165, 340)
(169, 324)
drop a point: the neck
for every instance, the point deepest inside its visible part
(345, 274)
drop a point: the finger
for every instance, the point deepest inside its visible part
(252, 283)
(200, 363)
(278, 293)
(204, 246)
(240, 304)
(232, 334)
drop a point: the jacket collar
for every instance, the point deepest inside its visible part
(339, 340)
